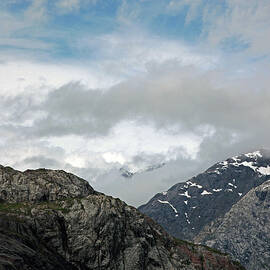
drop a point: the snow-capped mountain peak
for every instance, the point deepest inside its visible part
(129, 172)
(258, 161)
(208, 195)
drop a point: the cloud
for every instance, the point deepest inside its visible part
(22, 25)
(37, 11)
(184, 116)
(245, 21)
(194, 7)
(192, 102)
(22, 153)
(41, 162)
(125, 53)
(142, 186)
(222, 24)
(72, 6)
(23, 43)
(66, 6)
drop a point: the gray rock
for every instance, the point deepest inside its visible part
(55, 220)
(40, 185)
(244, 232)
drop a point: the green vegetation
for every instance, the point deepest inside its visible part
(54, 206)
(13, 207)
(180, 241)
(26, 207)
(183, 242)
(214, 250)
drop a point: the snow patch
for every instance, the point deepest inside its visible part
(252, 164)
(255, 154)
(267, 184)
(264, 170)
(191, 184)
(186, 202)
(217, 190)
(249, 164)
(166, 202)
(187, 218)
(164, 193)
(236, 159)
(240, 194)
(205, 192)
(232, 185)
(224, 164)
(185, 194)
(261, 170)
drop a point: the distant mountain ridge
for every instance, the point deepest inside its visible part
(225, 207)
(128, 173)
(187, 207)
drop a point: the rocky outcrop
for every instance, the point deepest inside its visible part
(55, 220)
(187, 207)
(244, 232)
(40, 185)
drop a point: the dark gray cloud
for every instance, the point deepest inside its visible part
(41, 161)
(184, 98)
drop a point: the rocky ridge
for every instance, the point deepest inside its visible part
(40, 185)
(187, 207)
(55, 220)
(244, 232)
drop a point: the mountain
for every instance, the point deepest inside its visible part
(244, 231)
(128, 173)
(55, 220)
(187, 207)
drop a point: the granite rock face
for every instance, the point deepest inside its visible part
(244, 232)
(187, 207)
(55, 220)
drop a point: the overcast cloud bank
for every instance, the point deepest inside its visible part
(187, 85)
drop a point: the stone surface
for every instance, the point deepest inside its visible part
(40, 185)
(55, 220)
(244, 232)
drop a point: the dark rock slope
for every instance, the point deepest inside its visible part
(55, 220)
(244, 231)
(187, 207)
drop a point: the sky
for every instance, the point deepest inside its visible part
(93, 86)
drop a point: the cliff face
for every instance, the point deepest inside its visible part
(244, 231)
(55, 220)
